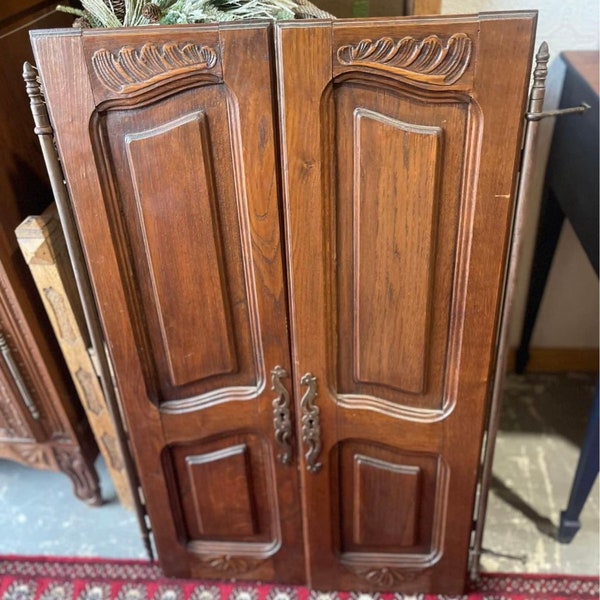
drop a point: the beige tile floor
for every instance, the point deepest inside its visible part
(542, 424)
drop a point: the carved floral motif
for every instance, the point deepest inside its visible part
(385, 577)
(431, 60)
(130, 69)
(230, 565)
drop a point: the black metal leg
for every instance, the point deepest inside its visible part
(550, 224)
(587, 470)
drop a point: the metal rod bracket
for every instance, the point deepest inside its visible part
(538, 116)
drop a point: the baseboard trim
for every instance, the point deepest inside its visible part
(557, 360)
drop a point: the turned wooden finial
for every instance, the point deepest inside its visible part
(36, 100)
(538, 89)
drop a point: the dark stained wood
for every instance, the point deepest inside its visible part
(176, 196)
(391, 198)
(60, 439)
(431, 404)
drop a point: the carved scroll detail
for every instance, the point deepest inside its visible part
(311, 425)
(430, 60)
(230, 565)
(82, 474)
(282, 421)
(130, 69)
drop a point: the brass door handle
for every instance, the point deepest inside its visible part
(282, 422)
(311, 426)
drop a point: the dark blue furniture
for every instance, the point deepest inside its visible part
(570, 191)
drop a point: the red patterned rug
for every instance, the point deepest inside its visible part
(49, 578)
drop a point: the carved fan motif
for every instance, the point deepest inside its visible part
(385, 577)
(230, 564)
(431, 59)
(130, 69)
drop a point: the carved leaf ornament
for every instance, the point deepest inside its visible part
(130, 69)
(431, 59)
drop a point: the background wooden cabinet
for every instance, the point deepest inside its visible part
(41, 422)
(298, 255)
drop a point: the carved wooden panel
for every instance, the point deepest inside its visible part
(224, 490)
(391, 503)
(181, 320)
(42, 243)
(382, 487)
(182, 223)
(397, 221)
(394, 210)
(13, 424)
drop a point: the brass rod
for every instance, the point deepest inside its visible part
(528, 163)
(43, 130)
(559, 112)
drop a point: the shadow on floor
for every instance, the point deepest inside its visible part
(548, 403)
(543, 524)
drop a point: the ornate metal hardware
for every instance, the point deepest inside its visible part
(311, 427)
(18, 379)
(538, 116)
(282, 422)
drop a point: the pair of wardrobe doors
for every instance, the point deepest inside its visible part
(296, 234)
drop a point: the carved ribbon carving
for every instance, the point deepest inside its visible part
(311, 426)
(282, 421)
(130, 69)
(430, 60)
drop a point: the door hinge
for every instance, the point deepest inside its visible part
(95, 363)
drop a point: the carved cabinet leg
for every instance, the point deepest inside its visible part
(86, 485)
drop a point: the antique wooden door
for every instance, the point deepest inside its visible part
(167, 140)
(400, 144)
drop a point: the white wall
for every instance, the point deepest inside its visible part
(568, 316)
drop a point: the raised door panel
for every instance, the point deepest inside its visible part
(396, 233)
(171, 169)
(399, 187)
(181, 216)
